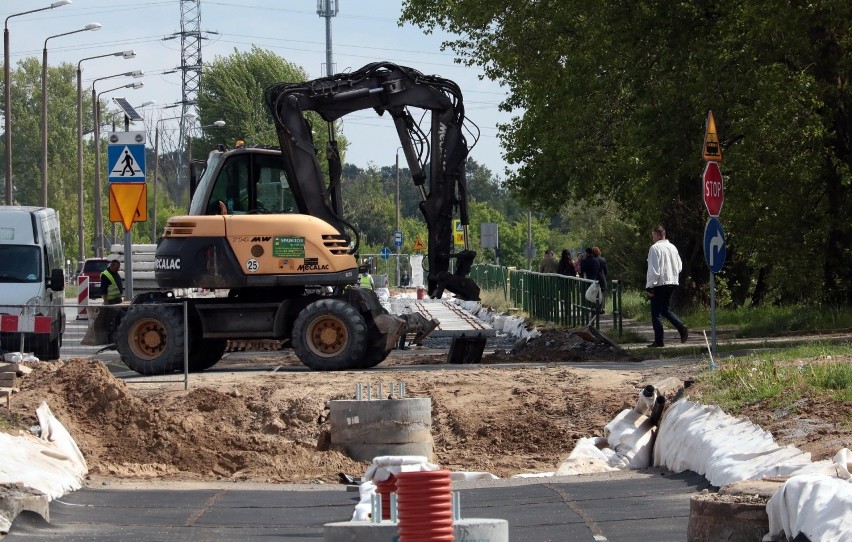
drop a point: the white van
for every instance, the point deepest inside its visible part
(32, 281)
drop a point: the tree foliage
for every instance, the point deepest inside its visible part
(611, 99)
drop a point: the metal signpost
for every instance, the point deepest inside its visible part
(128, 194)
(713, 191)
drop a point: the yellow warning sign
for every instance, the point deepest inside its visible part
(418, 244)
(128, 203)
(712, 151)
(458, 233)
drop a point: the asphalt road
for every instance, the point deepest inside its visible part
(624, 506)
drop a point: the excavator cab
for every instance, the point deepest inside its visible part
(249, 180)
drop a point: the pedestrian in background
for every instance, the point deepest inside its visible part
(566, 264)
(602, 274)
(664, 266)
(578, 263)
(548, 263)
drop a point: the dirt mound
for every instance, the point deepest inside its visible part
(582, 344)
(200, 434)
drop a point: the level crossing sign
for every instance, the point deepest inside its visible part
(126, 157)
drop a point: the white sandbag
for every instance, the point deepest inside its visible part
(725, 449)
(631, 436)
(820, 507)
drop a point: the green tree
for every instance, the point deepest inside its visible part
(232, 90)
(611, 99)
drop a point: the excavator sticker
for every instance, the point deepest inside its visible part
(288, 247)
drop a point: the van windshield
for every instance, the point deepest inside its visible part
(19, 263)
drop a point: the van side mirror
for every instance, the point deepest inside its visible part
(57, 280)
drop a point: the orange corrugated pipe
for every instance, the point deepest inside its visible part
(425, 507)
(385, 488)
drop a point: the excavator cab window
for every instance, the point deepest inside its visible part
(251, 183)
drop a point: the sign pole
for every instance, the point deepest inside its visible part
(713, 314)
(128, 263)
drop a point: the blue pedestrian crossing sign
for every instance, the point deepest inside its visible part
(126, 157)
(714, 245)
(386, 253)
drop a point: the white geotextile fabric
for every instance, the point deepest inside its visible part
(818, 506)
(51, 464)
(724, 449)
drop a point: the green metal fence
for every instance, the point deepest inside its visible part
(549, 297)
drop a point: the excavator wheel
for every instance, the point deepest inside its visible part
(373, 357)
(150, 339)
(330, 335)
(205, 353)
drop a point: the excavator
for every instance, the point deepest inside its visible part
(265, 227)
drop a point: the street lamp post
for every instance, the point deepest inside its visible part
(90, 26)
(7, 93)
(396, 200)
(188, 116)
(99, 226)
(81, 252)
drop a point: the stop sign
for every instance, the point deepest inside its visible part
(714, 193)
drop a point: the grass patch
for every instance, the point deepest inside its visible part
(496, 300)
(748, 322)
(779, 377)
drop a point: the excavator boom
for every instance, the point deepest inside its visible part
(392, 89)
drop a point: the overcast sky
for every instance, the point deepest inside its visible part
(364, 31)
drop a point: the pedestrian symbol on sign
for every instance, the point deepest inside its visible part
(127, 163)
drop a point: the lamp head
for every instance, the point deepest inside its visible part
(92, 26)
(219, 123)
(136, 73)
(127, 54)
(60, 3)
(137, 84)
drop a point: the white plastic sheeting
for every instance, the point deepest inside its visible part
(820, 507)
(724, 449)
(52, 464)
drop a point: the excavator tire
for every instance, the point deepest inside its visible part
(373, 357)
(150, 339)
(205, 353)
(330, 335)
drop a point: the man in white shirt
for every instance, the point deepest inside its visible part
(664, 266)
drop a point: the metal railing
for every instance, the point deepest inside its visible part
(553, 298)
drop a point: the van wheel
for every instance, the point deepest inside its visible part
(330, 335)
(52, 350)
(150, 339)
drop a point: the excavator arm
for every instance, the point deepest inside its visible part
(436, 161)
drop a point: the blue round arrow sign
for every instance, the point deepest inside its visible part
(714, 245)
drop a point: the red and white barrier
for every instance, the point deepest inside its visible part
(83, 297)
(12, 323)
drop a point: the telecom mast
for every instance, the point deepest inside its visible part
(328, 9)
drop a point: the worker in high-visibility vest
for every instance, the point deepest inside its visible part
(365, 279)
(112, 288)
